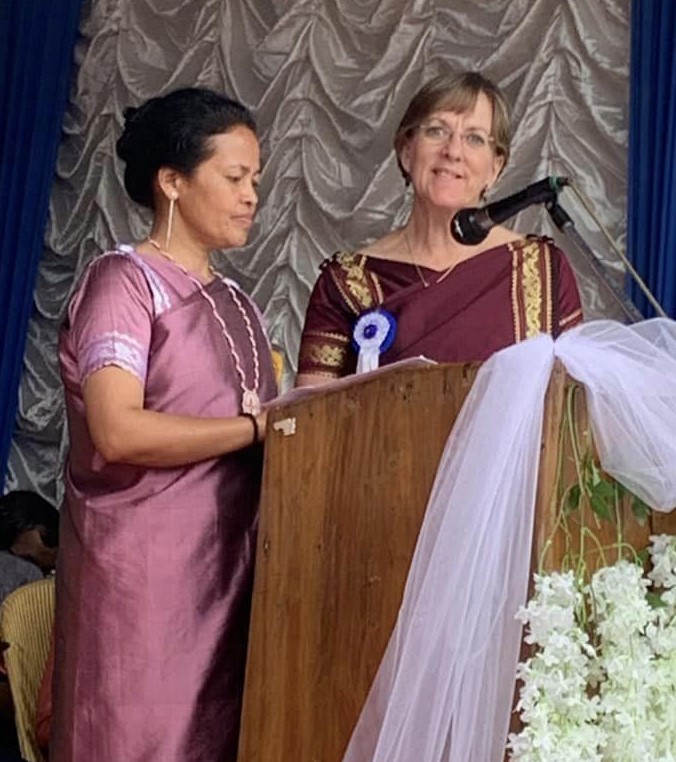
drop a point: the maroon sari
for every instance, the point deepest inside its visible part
(486, 303)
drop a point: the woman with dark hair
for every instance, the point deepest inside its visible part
(166, 366)
(29, 528)
(416, 291)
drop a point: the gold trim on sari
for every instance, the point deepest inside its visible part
(531, 288)
(358, 286)
(571, 320)
(324, 353)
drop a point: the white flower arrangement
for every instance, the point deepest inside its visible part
(601, 683)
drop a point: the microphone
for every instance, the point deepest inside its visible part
(471, 226)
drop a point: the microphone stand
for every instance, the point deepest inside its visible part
(566, 225)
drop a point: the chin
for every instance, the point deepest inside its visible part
(232, 242)
(451, 206)
(450, 202)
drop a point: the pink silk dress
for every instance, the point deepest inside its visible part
(155, 564)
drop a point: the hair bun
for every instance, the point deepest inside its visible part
(133, 139)
(129, 113)
(173, 130)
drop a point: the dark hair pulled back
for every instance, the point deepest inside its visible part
(174, 131)
(21, 511)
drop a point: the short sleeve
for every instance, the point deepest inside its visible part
(569, 306)
(325, 342)
(110, 318)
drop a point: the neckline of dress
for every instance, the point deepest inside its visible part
(250, 404)
(169, 265)
(388, 261)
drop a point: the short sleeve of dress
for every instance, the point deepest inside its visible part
(110, 318)
(569, 306)
(325, 342)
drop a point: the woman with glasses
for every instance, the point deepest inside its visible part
(417, 291)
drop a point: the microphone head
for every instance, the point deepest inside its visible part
(470, 226)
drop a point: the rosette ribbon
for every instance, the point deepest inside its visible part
(373, 334)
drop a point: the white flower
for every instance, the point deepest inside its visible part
(552, 608)
(559, 716)
(613, 700)
(663, 559)
(619, 606)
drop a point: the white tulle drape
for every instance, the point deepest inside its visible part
(444, 689)
(328, 81)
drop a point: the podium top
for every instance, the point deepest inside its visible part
(302, 393)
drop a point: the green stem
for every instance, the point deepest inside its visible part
(586, 532)
(570, 419)
(585, 470)
(618, 523)
(558, 505)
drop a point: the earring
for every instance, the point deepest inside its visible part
(483, 194)
(170, 220)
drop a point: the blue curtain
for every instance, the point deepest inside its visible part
(652, 151)
(36, 60)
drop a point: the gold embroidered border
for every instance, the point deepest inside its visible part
(354, 283)
(547, 303)
(573, 318)
(322, 356)
(516, 306)
(532, 288)
(328, 335)
(325, 373)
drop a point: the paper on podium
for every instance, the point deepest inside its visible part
(303, 392)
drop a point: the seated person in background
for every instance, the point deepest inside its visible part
(15, 572)
(442, 299)
(29, 538)
(43, 713)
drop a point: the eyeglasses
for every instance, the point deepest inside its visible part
(438, 133)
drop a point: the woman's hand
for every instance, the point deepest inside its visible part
(124, 432)
(262, 421)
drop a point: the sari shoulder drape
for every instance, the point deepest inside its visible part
(499, 297)
(544, 294)
(347, 287)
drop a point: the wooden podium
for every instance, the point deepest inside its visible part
(348, 473)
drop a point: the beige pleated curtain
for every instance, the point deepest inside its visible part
(328, 81)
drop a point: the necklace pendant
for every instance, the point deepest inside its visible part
(251, 403)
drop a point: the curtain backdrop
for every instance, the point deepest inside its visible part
(36, 60)
(652, 151)
(328, 81)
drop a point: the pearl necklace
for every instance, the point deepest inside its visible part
(251, 403)
(413, 259)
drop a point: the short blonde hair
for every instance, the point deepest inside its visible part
(458, 93)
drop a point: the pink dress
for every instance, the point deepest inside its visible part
(155, 564)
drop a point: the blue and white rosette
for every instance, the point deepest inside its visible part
(373, 334)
